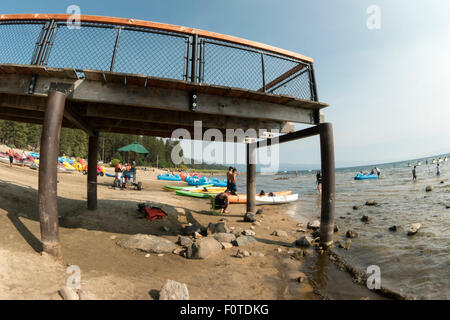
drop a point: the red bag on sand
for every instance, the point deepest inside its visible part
(154, 213)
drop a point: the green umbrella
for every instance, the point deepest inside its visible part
(134, 147)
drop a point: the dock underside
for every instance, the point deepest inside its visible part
(97, 101)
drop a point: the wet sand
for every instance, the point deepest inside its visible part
(89, 239)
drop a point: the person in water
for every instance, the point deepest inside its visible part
(378, 170)
(414, 173)
(221, 201)
(319, 181)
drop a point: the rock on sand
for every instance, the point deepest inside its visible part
(206, 247)
(173, 290)
(147, 243)
(414, 228)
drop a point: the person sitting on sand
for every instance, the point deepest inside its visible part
(221, 201)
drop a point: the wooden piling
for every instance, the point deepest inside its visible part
(328, 184)
(251, 178)
(92, 172)
(48, 173)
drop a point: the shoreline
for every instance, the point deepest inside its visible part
(89, 240)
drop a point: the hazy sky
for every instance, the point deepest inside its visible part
(388, 89)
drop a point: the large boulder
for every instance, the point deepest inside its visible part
(243, 240)
(147, 243)
(248, 233)
(206, 247)
(173, 290)
(219, 227)
(224, 237)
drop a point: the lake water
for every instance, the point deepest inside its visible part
(416, 266)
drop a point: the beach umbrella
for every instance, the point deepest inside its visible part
(134, 147)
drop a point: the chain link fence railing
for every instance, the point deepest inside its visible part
(156, 53)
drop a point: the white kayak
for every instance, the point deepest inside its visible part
(260, 200)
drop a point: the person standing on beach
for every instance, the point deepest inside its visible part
(319, 181)
(229, 177)
(24, 157)
(232, 186)
(133, 171)
(414, 172)
(11, 157)
(378, 170)
(438, 169)
(118, 171)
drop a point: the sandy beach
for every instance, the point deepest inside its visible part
(108, 271)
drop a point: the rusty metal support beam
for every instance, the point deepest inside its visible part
(328, 184)
(251, 178)
(47, 194)
(92, 172)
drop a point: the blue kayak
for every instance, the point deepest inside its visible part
(219, 183)
(169, 177)
(360, 176)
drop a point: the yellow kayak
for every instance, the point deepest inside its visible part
(213, 190)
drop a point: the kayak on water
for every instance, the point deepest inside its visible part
(173, 188)
(361, 176)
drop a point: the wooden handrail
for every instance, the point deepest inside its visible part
(158, 26)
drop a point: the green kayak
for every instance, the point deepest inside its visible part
(194, 194)
(173, 188)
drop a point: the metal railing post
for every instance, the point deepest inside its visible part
(194, 58)
(44, 43)
(116, 45)
(263, 73)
